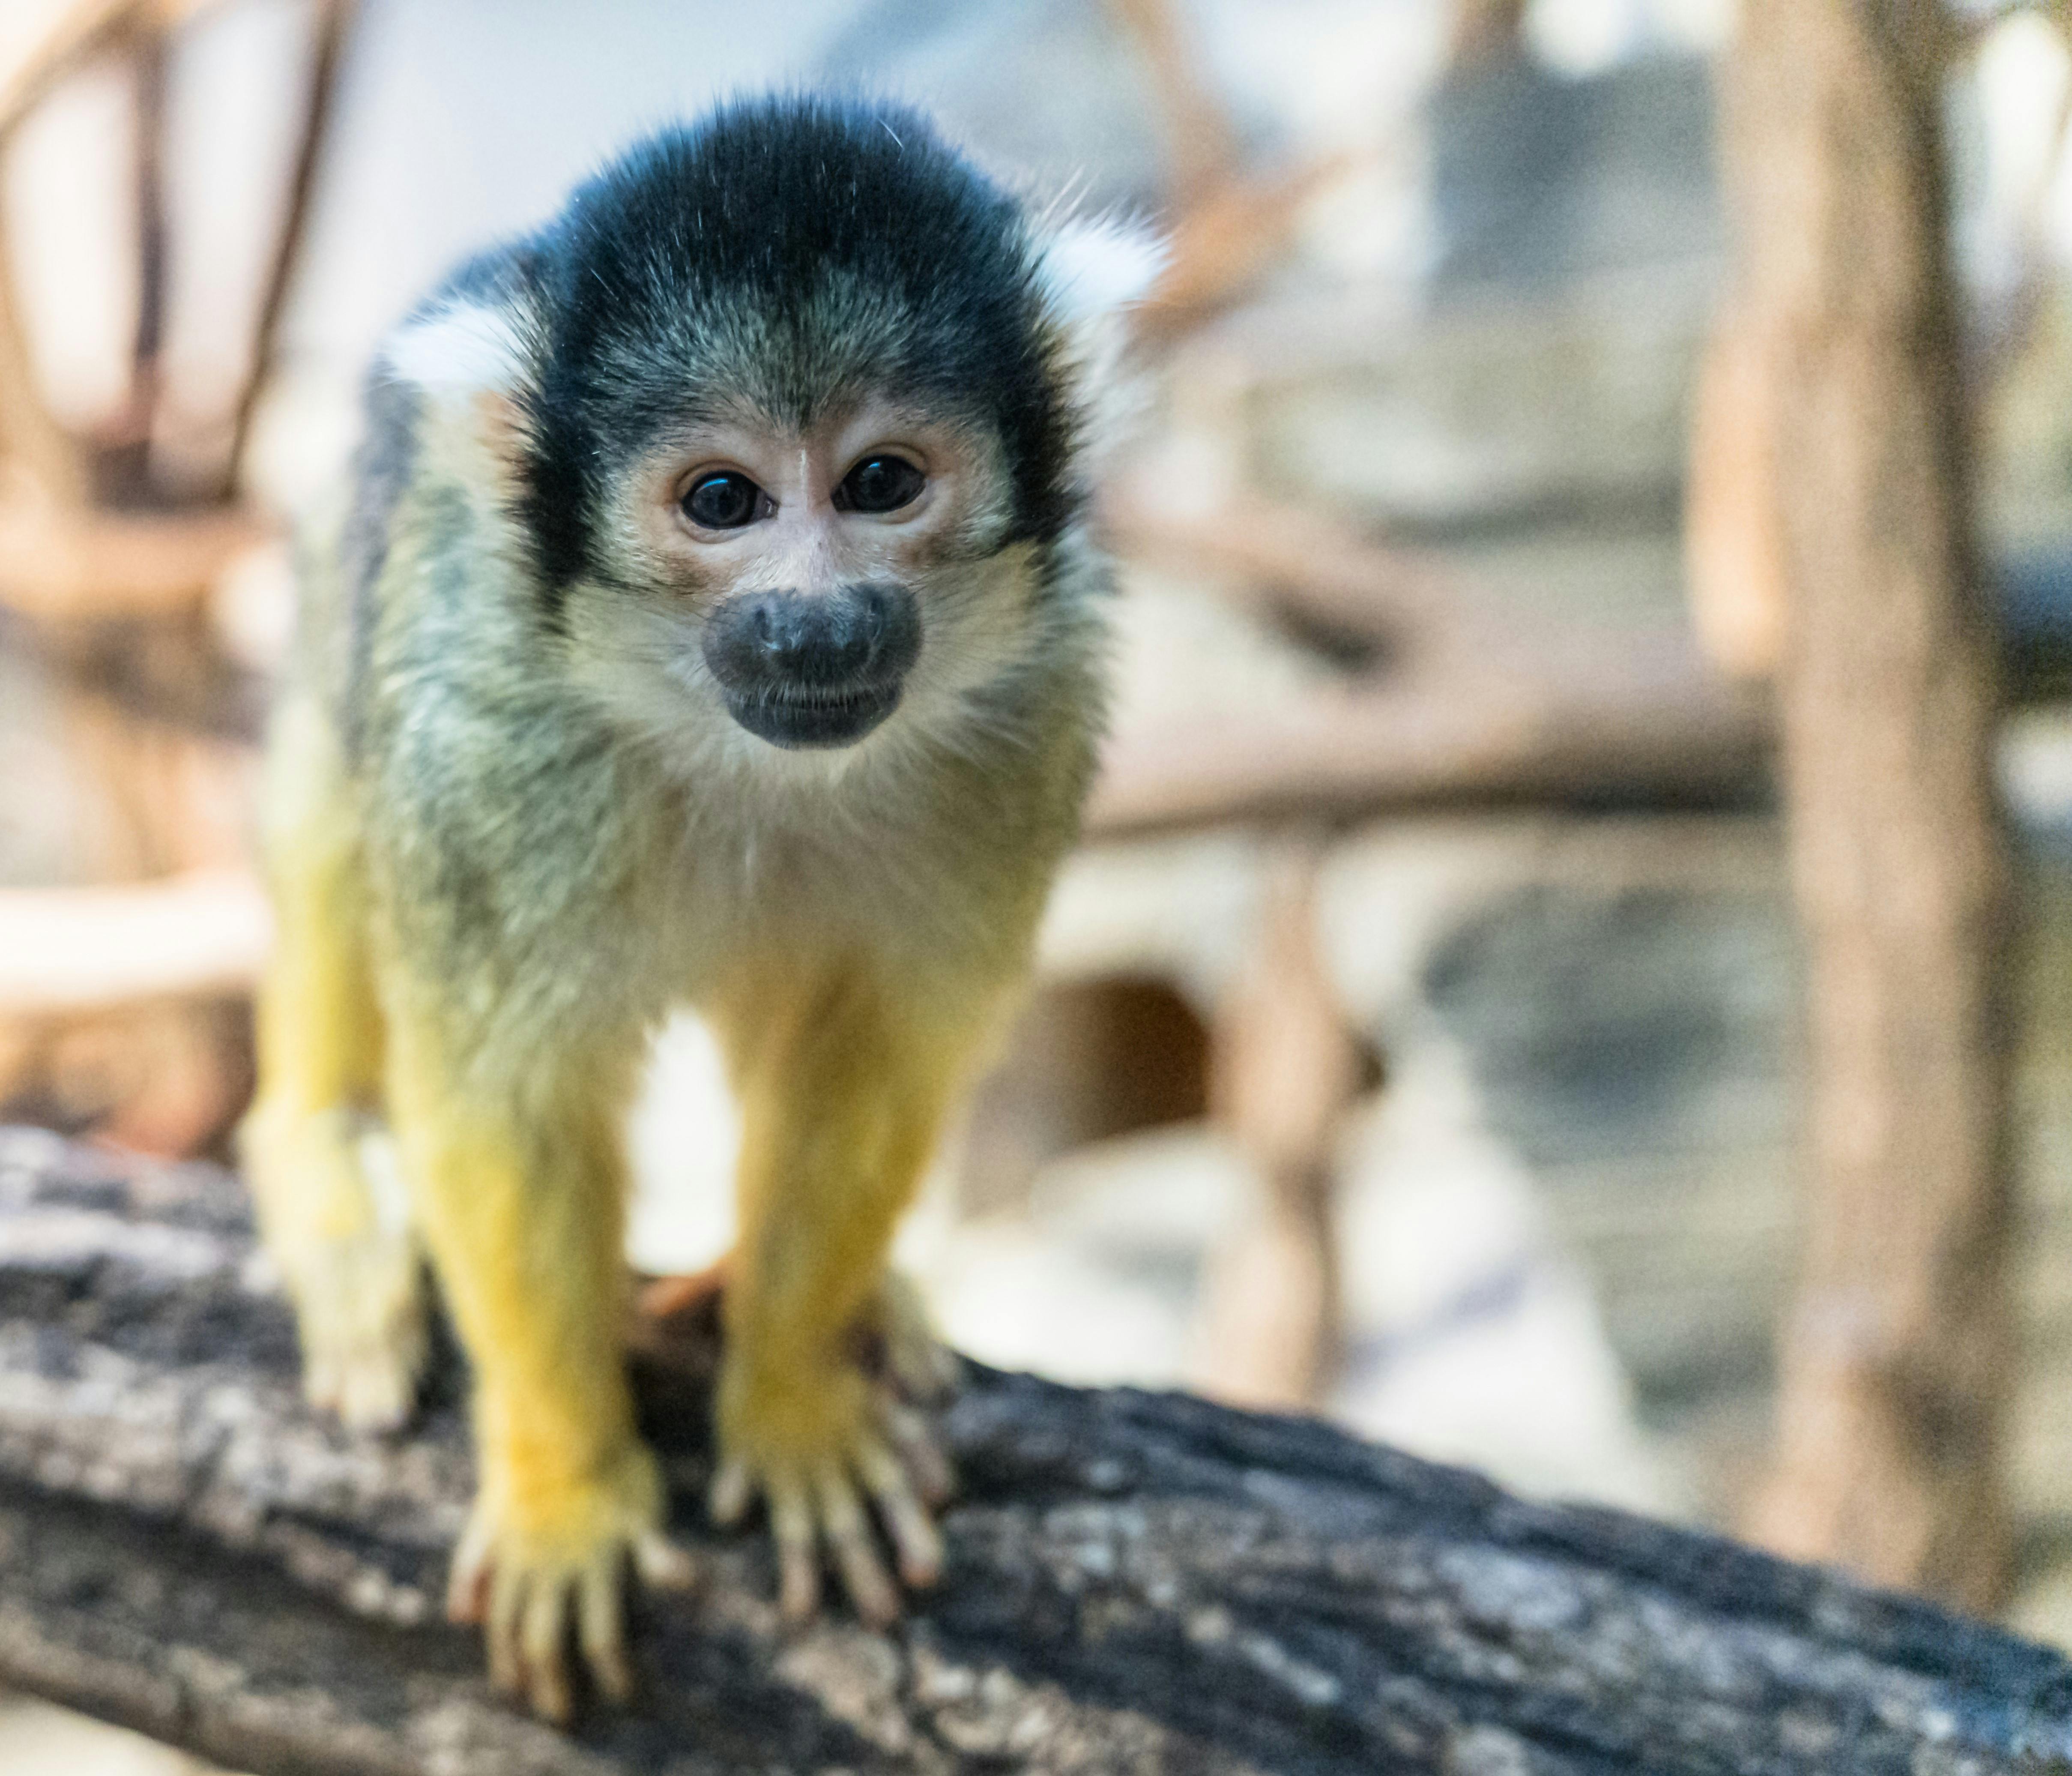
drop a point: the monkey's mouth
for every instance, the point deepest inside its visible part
(814, 669)
(817, 717)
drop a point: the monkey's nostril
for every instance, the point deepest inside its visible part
(887, 627)
(815, 641)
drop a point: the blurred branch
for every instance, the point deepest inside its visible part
(72, 950)
(1635, 719)
(333, 26)
(1222, 243)
(1199, 131)
(58, 565)
(1268, 554)
(1228, 228)
(1468, 702)
(31, 438)
(122, 444)
(75, 36)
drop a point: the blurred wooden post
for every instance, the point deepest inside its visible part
(331, 29)
(1485, 30)
(1284, 1068)
(1896, 1362)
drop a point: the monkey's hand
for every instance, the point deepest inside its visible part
(541, 1563)
(360, 1309)
(821, 1443)
(354, 1273)
(900, 1341)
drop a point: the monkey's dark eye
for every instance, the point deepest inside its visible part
(880, 483)
(725, 501)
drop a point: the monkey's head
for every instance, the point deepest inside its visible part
(790, 410)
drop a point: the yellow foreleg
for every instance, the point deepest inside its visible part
(520, 1193)
(843, 1087)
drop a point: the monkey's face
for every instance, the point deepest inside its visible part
(813, 581)
(791, 420)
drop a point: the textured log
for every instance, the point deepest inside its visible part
(1136, 1582)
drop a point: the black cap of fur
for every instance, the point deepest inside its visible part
(785, 252)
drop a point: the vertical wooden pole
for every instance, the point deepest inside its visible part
(123, 458)
(332, 28)
(1484, 30)
(32, 442)
(1284, 1068)
(1896, 1366)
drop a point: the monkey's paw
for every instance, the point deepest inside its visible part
(534, 1587)
(900, 1339)
(359, 1307)
(821, 1451)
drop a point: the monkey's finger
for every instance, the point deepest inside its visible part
(542, 1644)
(375, 1392)
(915, 1539)
(733, 1487)
(467, 1585)
(918, 1448)
(507, 1603)
(600, 1627)
(848, 1531)
(661, 1564)
(798, 1555)
(923, 1367)
(945, 1370)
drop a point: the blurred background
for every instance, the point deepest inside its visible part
(1570, 970)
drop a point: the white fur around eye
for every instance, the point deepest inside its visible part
(466, 348)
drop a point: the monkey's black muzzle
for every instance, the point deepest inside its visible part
(814, 669)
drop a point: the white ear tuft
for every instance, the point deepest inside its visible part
(1091, 271)
(462, 349)
(1091, 268)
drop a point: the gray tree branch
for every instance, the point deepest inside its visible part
(1136, 1582)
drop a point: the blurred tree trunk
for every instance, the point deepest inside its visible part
(1897, 1364)
(1485, 29)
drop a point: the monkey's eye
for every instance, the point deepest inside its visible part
(880, 483)
(724, 502)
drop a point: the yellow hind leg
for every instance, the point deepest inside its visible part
(331, 1209)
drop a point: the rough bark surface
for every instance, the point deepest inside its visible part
(1136, 1582)
(1897, 1365)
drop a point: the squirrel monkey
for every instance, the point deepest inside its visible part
(714, 622)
